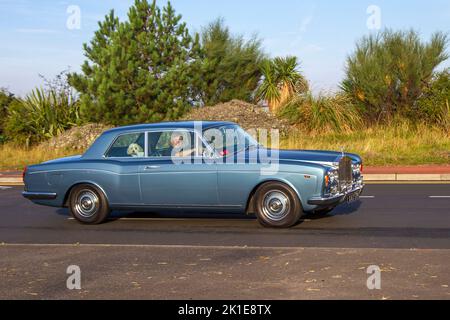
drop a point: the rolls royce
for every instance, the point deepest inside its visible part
(201, 166)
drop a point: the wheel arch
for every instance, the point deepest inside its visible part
(250, 206)
(67, 194)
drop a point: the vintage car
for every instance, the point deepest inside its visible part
(201, 166)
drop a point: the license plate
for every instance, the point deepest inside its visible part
(352, 197)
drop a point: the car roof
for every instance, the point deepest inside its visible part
(171, 125)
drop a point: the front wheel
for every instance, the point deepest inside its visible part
(277, 205)
(88, 204)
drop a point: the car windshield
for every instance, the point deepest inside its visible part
(229, 139)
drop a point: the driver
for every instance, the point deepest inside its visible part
(177, 146)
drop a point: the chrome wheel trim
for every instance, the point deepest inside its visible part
(276, 205)
(87, 203)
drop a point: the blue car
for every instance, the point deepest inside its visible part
(201, 166)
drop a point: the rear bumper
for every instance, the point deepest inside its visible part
(334, 200)
(39, 195)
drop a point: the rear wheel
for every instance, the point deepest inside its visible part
(277, 205)
(88, 204)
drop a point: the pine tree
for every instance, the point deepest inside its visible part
(141, 70)
(231, 65)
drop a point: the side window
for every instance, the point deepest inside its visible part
(130, 145)
(172, 143)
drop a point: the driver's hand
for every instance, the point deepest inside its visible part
(185, 153)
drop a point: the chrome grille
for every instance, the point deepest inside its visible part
(345, 172)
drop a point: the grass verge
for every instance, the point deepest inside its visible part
(400, 144)
(15, 157)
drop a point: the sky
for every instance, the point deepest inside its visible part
(46, 37)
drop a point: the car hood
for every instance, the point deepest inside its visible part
(313, 156)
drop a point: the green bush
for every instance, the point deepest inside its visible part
(6, 98)
(389, 71)
(322, 113)
(434, 104)
(41, 115)
(231, 65)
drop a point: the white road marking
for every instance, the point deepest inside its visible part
(367, 197)
(439, 197)
(4, 188)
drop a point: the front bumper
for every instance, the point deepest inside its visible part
(39, 195)
(334, 200)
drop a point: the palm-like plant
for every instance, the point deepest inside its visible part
(281, 81)
(41, 115)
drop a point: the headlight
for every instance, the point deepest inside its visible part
(332, 176)
(356, 168)
(332, 181)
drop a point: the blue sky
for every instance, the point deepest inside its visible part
(35, 39)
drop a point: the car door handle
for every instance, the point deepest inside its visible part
(151, 167)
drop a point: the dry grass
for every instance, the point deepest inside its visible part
(400, 144)
(16, 158)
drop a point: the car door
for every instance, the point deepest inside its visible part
(237, 175)
(174, 180)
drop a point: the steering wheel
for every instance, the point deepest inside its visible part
(156, 154)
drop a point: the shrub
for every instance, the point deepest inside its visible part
(433, 105)
(6, 98)
(322, 113)
(41, 115)
(231, 65)
(389, 71)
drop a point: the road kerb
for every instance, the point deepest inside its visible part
(380, 177)
(11, 181)
(418, 177)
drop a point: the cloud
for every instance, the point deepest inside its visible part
(313, 48)
(304, 24)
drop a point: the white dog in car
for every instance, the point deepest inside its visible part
(135, 150)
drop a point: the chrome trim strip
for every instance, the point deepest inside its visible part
(104, 156)
(146, 144)
(39, 195)
(137, 173)
(205, 206)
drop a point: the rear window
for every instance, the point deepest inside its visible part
(131, 145)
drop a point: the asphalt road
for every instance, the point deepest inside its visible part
(403, 229)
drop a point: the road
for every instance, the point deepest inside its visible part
(402, 229)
